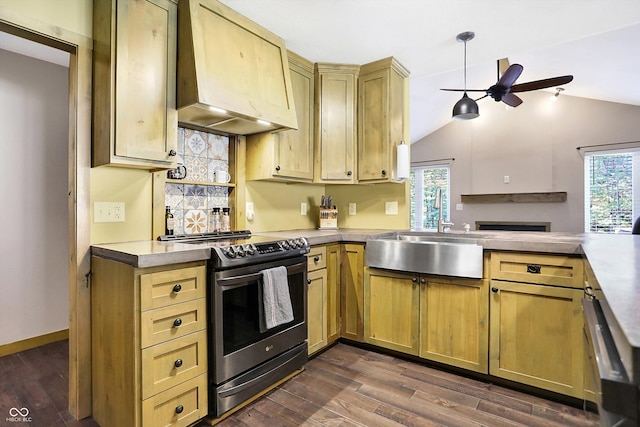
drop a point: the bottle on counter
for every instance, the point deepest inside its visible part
(226, 220)
(214, 220)
(168, 221)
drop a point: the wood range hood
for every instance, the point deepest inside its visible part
(232, 74)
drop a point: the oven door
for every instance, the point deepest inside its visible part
(617, 395)
(239, 343)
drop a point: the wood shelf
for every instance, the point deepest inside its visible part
(215, 184)
(546, 197)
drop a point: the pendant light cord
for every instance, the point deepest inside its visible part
(465, 66)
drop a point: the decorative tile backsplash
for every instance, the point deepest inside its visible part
(202, 154)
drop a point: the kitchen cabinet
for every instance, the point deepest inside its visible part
(383, 118)
(134, 115)
(317, 310)
(536, 324)
(335, 123)
(323, 317)
(391, 310)
(454, 321)
(445, 319)
(287, 155)
(352, 292)
(149, 344)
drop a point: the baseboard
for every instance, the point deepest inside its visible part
(29, 343)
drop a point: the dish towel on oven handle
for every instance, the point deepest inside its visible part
(276, 301)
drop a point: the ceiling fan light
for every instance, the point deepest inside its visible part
(465, 109)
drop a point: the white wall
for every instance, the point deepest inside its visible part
(34, 144)
(535, 145)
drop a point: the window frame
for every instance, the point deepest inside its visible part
(417, 208)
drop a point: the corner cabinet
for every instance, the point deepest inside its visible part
(335, 123)
(383, 118)
(536, 324)
(287, 155)
(134, 115)
(149, 344)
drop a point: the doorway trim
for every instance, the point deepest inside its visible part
(80, 50)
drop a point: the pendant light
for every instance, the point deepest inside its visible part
(466, 108)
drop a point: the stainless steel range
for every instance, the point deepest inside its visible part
(245, 355)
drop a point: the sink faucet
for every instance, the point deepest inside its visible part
(437, 204)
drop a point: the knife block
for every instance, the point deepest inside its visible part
(328, 219)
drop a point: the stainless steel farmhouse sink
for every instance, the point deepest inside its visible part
(426, 253)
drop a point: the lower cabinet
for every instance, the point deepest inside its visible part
(536, 321)
(437, 318)
(149, 344)
(323, 313)
(352, 292)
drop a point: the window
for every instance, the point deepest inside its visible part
(612, 190)
(424, 182)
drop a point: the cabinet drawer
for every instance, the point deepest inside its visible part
(179, 406)
(172, 286)
(558, 270)
(170, 363)
(174, 321)
(317, 258)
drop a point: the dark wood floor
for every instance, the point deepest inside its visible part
(344, 386)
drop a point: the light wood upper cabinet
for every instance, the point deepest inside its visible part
(335, 123)
(287, 155)
(231, 71)
(134, 115)
(383, 118)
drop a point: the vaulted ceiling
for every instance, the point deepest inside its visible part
(597, 41)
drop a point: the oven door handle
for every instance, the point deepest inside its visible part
(241, 280)
(619, 395)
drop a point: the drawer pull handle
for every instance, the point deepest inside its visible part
(494, 290)
(177, 322)
(533, 268)
(316, 259)
(177, 288)
(177, 363)
(179, 409)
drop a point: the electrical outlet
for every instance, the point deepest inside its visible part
(303, 208)
(108, 212)
(391, 208)
(352, 208)
(506, 179)
(459, 206)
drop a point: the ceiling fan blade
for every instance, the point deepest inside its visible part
(465, 90)
(511, 100)
(478, 99)
(541, 84)
(503, 64)
(510, 76)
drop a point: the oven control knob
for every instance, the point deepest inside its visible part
(284, 244)
(250, 249)
(229, 252)
(292, 244)
(240, 251)
(299, 243)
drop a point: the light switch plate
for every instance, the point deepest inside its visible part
(352, 208)
(108, 212)
(303, 208)
(391, 208)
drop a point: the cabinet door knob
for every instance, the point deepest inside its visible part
(494, 289)
(414, 279)
(177, 363)
(349, 173)
(423, 281)
(308, 281)
(384, 172)
(177, 288)
(278, 168)
(172, 153)
(179, 409)
(177, 322)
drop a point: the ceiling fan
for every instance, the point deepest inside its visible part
(504, 90)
